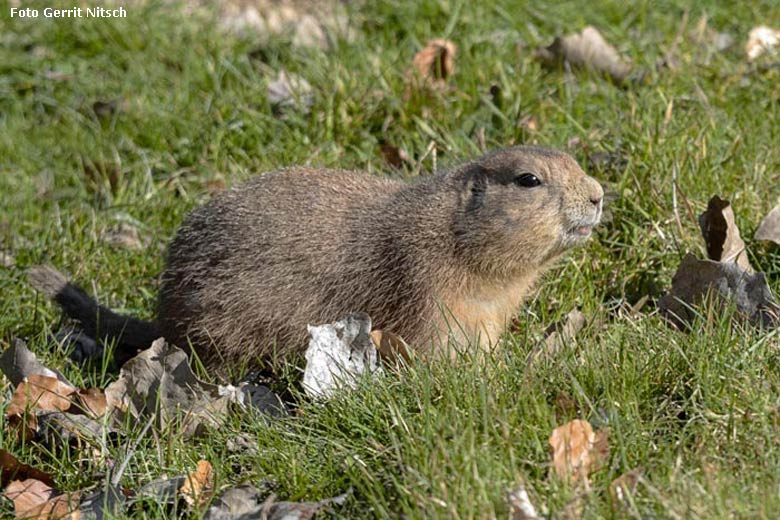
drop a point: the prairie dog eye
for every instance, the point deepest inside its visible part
(527, 180)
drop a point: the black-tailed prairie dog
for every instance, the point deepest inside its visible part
(447, 258)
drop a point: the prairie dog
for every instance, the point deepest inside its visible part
(447, 257)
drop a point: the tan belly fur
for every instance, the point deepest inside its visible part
(480, 314)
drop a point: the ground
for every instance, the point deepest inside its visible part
(135, 121)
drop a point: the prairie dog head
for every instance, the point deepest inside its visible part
(521, 207)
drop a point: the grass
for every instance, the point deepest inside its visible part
(699, 412)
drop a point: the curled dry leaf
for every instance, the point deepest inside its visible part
(34, 499)
(435, 63)
(199, 485)
(393, 155)
(58, 428)
(7, 260)
(520, 506)
(721, 234)
(92, 401)
(577, 450)
(159, 381)
(625, 485)
(289, 90)
(697, 279)
(770, 227)
(246, 501)
(761, 40)
(11, 469)
(390, 346)
(43, 393)
(17, 363)
(589, 50)
(557, 336)
(338, 355)
(125, 236)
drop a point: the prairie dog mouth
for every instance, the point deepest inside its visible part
(582, 231)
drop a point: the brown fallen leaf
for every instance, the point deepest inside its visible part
(92, 401)
(697, 279)
(7, 260)
(589, 50)
(199, 486)
(34, 499)
(435, 63)
(762, 40)
(44, 393)
(520, 505)
(721, 234)
(577, 450)
(393, 155)
(11, 469)
(557, 336)
(390, 346)
(770, 227)
(289, 90)
(246, 501)
(62, 428)
(159, 383)
(125, 236)
(625, 485)
(18, 362)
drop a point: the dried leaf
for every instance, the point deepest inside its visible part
(92, 401)
(55, 428)
(696, 279)
(17, 363)
(35, 500)
(530, 122)
(11, 469)
(721, 234)
(761, 40)
(770, 227)
(244, 503)
(338, 355)
(578, 450)
(102, 504)
(520, 506)
(587, 49)
(125, 236)
(235, 503)
(390, 346)
(44, 393)
(159, 382)
(199, 485)
(289, 90)
(557, 336)
(625, 485)
(105, 109)
(435, 63)
(394, 156)
(7, 260)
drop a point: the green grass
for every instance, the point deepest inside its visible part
(699, 412)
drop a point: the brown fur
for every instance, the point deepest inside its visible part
(450, 256)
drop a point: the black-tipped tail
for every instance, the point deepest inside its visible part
(99, 322)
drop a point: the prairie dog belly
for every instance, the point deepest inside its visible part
(479, 315)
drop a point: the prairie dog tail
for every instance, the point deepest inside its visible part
(97, 321)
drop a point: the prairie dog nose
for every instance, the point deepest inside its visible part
(595, 191)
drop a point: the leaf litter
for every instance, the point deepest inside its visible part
(589, 50)
(769, 230)
(158, 386)
(727, 278)
(578, 450)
